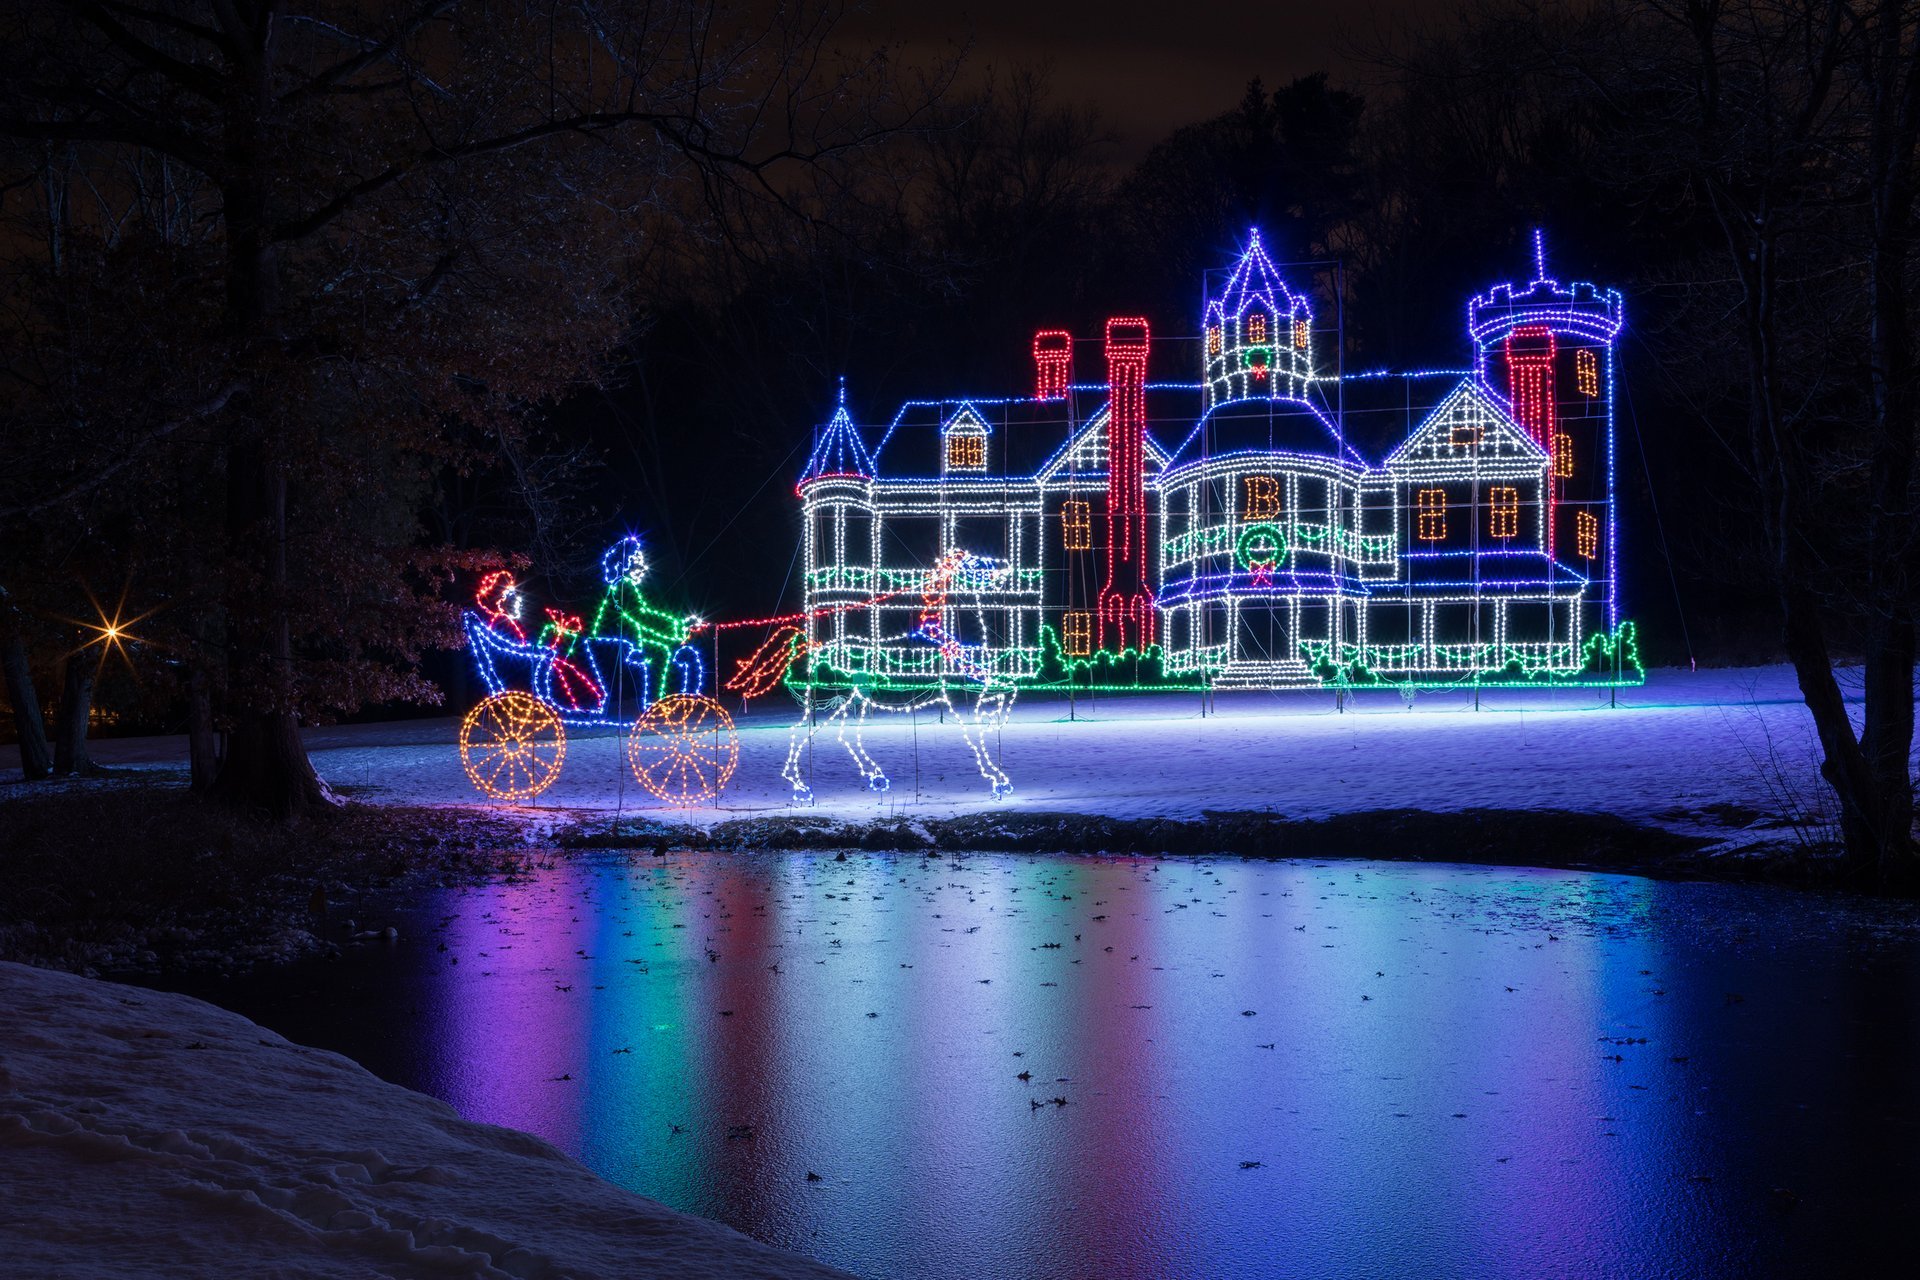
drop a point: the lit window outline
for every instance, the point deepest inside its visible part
(1076, 525)
(1432, 506)
(1300, 335)
(1213, 339)
(1586, 372)
(1562, 455)
(1466, 433)
(1256, 326)
(1586, 534)
(1076, 633)
(966, 451)
(1503, 511)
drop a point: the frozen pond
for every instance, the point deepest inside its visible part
(1032, 1066)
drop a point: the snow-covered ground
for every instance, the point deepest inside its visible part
(1667, 750)
(149, 1134)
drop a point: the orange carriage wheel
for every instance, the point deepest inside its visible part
(684, 749)
(512, 746)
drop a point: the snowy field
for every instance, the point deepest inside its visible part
(1666, 752)
(144, 1133)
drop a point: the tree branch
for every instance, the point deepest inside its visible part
(205, 409)
(347, 68)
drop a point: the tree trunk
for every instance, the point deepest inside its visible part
(203, 744)
(70, 722)
(266, 765)
(1843, 763)
(28, 725)
(1893, 76)
(1887, 745)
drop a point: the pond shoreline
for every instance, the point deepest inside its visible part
(185, 887)
(1488, 837)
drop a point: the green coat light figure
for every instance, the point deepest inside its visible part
(650, 634)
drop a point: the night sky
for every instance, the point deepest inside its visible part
(1148, 68)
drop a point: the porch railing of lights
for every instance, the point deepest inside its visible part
(921, 662)
(905, 582)
(1301, 535)
(1555, 655)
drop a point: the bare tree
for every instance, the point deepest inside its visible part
(1789, 127)
(395, 218)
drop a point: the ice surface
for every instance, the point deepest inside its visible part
(151, 1134)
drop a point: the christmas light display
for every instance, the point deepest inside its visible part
(1243, 360)
(1586, 372)
(1577, 324)
(1587, 534)
(499, 600)
(1126, 609)
(1479, 552)
(1217, 534)
(849, 696)
(630, 626)
(1053, 364)
(512, 746)
(682, 748)
(1076, 525)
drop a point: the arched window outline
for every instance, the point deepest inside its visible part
(1586, 534)
(1586, 372)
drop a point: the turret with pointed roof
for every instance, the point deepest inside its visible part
(1259, 335)
(839, 453)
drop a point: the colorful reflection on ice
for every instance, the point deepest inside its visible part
(1063, 1067)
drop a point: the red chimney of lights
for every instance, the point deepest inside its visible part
(1126, 606)
(1530, 353)
(1053, 364)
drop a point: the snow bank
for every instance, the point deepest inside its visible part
(150, 1134)
(1668, 752)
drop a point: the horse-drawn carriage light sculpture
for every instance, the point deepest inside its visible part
(682, 746)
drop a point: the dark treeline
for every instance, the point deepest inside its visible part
(619, 314)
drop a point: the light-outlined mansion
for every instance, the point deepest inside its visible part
(1231, 526)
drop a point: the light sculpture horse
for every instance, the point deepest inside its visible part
(960, 677)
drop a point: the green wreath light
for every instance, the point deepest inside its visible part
(1260, 545)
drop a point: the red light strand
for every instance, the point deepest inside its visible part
(1530, 352)
(1126, 602)
(1053, 364)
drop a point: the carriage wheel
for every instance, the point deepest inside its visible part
(684, 749)
(512, 746)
